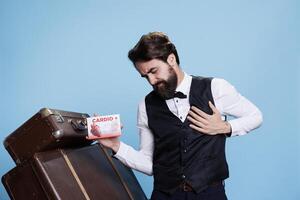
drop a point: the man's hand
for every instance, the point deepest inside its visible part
(112, 143)
(208, 124)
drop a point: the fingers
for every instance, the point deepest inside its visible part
(203, 122)
(196, 123)
(200, 112)
(214, 109)
(194, 117)
(198, 119)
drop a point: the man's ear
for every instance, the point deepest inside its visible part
(171, 60)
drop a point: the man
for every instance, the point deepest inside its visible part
(182, 133)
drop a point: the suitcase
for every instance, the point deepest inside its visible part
(78, 174)
(48, 129)
(22, 183)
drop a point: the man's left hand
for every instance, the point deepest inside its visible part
(208, 124)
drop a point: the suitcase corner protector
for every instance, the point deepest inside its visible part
(45, 112)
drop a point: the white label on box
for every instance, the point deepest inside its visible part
(104, 126)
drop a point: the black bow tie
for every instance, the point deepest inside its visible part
(179, 95)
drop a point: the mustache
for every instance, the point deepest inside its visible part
(159, 83)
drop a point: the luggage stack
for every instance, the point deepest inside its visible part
(55, 161)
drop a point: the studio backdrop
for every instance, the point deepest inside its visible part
(72, 55)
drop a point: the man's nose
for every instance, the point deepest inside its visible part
(151, 79)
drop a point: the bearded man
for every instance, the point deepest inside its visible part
(181, 126)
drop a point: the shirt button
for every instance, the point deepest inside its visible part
(185, 151)
(183, 176)
(176, 101)
(180, 117)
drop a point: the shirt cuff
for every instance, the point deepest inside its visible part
(122, 152)
(224, 118)
(235, 128)
(230, 133)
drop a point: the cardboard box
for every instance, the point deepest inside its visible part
(104, 126)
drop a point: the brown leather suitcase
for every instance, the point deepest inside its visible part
(21, 183)
(48, 129)
(83, 173)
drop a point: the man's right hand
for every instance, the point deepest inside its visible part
(112, 143)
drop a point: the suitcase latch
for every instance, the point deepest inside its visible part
(79, 125)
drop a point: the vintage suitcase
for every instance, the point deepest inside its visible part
(48, 129)
(22, 183)
(83, 173)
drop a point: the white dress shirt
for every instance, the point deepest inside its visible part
(227, 100)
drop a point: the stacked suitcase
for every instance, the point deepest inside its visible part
(55, 161)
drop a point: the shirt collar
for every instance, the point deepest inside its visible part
(185, 84)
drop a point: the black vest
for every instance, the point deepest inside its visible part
(181, 153)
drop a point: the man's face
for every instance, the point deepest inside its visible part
(160, 75)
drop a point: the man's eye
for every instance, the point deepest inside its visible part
(153, 71)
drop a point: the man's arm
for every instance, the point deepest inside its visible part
(208, 124)
(230, 102)
(140, 160)
(227, 102)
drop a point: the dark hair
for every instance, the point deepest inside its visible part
(154, 45)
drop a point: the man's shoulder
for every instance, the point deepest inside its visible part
(213, 80)
(141, 105)
(202, 80)
(220, 82)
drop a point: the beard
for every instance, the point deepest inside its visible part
(166, 88)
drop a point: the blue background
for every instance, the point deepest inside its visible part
(72, 55)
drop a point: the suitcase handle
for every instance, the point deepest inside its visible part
(79, 125)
